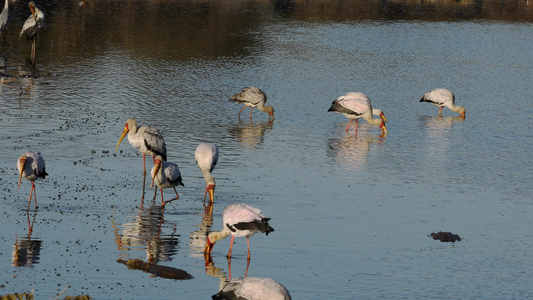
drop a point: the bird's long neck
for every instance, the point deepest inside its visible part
(369, 119)
(454, 108)
(261, 106)
(208, 177)
(6, 5)
(218, 235)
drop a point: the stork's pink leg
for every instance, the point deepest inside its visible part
(356, 125)
(162, 201)
(348, 127)
(248, 242)
(230, 247)
(34, 194)
(440, 110)
(240, 111)
(144, 166)
(251, 109)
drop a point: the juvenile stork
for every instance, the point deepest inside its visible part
(31, 166)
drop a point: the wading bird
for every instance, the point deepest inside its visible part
(166, 175)
(441, 98)
(357, 105)
(31, 166)
(239, 220)
(253, 288)
(253, 97)
(4, 17)
(33, 24)
(206, 156)
(146, 139)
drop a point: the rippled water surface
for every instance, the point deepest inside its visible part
(352, 213)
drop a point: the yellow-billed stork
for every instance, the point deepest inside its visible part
(146, 139)
(166, 175)
(31, 166)
(441, 98)
(253, 97)
(253, 288)
(355, 105)
(206, 156)
(239, 220)
(33, 24)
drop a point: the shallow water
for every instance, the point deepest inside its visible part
(352, 213)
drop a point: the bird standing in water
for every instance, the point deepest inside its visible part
(146, 139)
(4, 16)
(253, 97)
(357, 105)
(166, 175)
(206, 156)
(441, 98)
(239, 220)
(31, 166)
(33, 24)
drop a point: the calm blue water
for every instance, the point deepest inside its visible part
(352, 214)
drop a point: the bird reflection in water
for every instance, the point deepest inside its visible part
(438, 130)
(250, 134)
(350, 151)
(199, 236)
(145, 233)
(246, 288)
(26, 251)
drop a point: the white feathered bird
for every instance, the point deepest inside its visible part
(357, 105)
(442, 98)
(206, 156)
(239, 220)
(33, 24)
(253, 288)
(166, 175)
(146, 139)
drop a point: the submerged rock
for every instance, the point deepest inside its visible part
(446, 237)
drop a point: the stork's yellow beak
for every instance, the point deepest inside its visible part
(21, 169)
(157, 166)
(211, 190)
(122, 137)
(382, 115)
(384, 130)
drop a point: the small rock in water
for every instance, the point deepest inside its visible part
(446, 237)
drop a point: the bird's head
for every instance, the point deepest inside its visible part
(157, 166)
(383, 128)
(124, 132)
(382, 116)
(462, 112)
(32, 8)
(270, 110)
(22, 163)
(209, 244)
(211, 189)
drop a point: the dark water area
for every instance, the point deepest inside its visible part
(353, 213)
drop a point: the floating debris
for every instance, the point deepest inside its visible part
(446, 237)
(157, 270)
